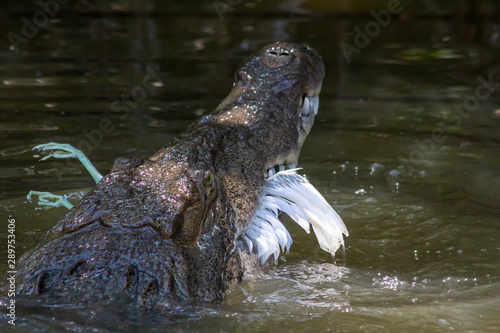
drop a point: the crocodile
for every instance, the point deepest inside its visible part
(186, 223)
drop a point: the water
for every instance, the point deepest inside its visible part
(416, 184)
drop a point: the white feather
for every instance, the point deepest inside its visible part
(283, 235)
(259, 241)
(292, 210)
(248, 241)
(326, 223)
(292, 194)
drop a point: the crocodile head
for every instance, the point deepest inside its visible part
(276, 95)
(173, 225)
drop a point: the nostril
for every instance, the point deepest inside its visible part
(280, 54)
(277, 56)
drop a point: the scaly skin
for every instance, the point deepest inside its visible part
(167, 228)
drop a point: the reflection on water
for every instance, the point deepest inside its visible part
(405, 148)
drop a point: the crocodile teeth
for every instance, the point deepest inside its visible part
(310, 104)
(282, 167)
(288, 192)
(271, 172)
(315, 104)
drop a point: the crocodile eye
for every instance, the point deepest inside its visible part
(208, 179)
(196, 209)
(209, 186)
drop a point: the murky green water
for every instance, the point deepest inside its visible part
(406, 148)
